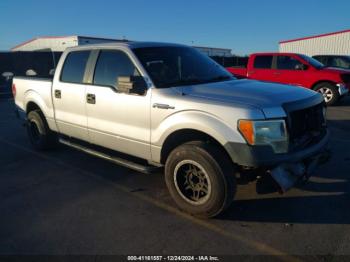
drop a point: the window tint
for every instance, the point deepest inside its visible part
(170, 66)
(287, 63)
(339, 62)
(263, 61)
(322, 59)
(112, 64)
(313, 62)
(74, 67)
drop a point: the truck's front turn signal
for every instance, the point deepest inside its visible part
(246, 127)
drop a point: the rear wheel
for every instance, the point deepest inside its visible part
(40, 136)
(200, 178)
(329, 91)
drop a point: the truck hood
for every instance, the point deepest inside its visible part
(268, 97)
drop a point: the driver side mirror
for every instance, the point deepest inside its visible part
(131, 85)
(301, 67)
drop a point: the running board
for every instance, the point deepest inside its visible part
(146, 169)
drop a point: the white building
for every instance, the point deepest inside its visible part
(336, 43)
(59, 43)
(214, 51)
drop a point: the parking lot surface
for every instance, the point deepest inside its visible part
(66, 202)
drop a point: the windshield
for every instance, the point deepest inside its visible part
(177, 66)
(312, 61)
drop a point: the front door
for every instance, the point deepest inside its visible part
(117, 120)
(290, 70)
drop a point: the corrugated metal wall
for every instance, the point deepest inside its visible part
(336, 44)
(212, 51)
(58, 44)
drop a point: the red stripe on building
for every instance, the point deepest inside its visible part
(315, 36)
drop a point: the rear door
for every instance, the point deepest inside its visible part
(68, 94)
(290, 70)
(261, 68)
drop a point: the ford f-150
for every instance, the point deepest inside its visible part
(152, 105)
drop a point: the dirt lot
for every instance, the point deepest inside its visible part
(66, 202)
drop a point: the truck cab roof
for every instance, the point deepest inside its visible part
(274, 53)
(129, 44)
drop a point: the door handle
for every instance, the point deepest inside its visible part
(58, 94)
(277, 73)
(91, 99)
(162, 106)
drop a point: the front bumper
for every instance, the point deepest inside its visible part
(343, 89)
(264, 156)
(286, 169)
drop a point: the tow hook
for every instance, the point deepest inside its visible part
(287, 174)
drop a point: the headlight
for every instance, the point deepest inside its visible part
(269, 132)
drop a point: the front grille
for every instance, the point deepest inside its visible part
(306, 126)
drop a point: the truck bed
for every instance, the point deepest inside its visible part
(28, 87)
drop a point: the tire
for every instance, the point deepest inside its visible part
(329, 91)
(216, 187)
(40, 136)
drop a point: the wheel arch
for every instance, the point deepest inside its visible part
(33, 100)
(182, 136)
(31, 106)
(322, 81)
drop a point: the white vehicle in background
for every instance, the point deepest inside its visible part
(5, 84)
(149, 105)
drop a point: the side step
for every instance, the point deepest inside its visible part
(146, 169)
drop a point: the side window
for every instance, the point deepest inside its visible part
(322, 59)
(339, 62)
(110, 65)
(74, 67)
(263, 62)
(287, 63)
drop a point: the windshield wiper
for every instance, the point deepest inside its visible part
(196, 81)
(218, 79)
(185, 82)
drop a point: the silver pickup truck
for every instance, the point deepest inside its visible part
(152, 105)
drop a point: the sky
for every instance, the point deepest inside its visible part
(243, 26)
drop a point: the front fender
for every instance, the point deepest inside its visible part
(196, 120)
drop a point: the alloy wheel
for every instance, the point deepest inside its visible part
(192, 182)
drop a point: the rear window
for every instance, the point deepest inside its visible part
(263, 62)
(74, 67)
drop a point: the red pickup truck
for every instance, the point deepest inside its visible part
(297, 69)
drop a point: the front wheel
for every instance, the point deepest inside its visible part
(200, 178)
(329, 91)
